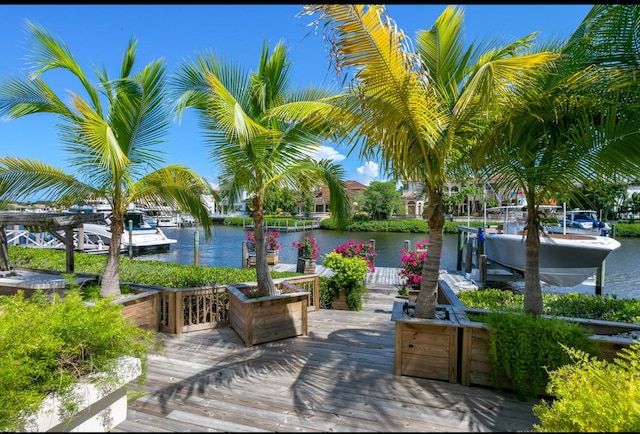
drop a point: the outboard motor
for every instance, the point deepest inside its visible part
(604, 232)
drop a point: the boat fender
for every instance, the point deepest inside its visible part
(481, 234)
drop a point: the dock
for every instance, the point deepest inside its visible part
(291, 225)
(338, 378)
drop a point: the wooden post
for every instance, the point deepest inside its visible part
(69, 249)
(196, 247)
(373, 256)
(407, 245)
(81, 238)
(482, 267)
(130, 238)
(468, 261)
(4, 250)
(600, 279)
(460, 247)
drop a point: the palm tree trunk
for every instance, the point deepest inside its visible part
(532, 290)
(428, 296)
(110, 283)
(263, 276)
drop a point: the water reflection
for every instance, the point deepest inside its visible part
(224, 249)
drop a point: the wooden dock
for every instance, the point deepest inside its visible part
(338, 378)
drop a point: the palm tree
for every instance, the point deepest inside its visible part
(254, 148)
(110, 137)
(576, 122)
(418, 108)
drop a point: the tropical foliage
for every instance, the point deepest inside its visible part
(576, 122)
(258, 152)
(110, 136)
(416, 108)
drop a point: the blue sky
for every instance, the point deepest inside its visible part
(97, 36)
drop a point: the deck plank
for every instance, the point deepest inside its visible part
(338, 378)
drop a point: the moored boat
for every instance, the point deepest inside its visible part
(564, 259)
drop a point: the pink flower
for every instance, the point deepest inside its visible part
(362, 250)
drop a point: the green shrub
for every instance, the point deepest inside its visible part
(47, 344)
(601, 307)
(349, 276)
(593, 395)
(522, 346)
(157, 273)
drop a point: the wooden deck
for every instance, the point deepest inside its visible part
(338, 378)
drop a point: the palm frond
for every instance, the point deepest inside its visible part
(27, 178)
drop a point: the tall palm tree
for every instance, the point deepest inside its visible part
(253, 148)
(576, 122)
(417, 108)
(109, 135)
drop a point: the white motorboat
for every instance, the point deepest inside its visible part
(144, 236)
(564, 259)
(162, 216)
(580, 221)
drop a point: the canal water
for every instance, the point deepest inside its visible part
(224, 249)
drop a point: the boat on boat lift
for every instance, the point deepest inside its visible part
(564, 259)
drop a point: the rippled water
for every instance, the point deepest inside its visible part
(224, 249)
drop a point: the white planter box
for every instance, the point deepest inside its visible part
(101, 403)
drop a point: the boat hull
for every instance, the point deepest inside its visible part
(564, 260)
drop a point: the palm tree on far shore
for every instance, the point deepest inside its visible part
(417, 108)
(109, 134)
(253, 148)
(575, 123)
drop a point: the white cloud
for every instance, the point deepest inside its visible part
(327, 153)
(368, 172)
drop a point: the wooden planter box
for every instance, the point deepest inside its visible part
(476, 366)
(340, 303)
(102, 405)
(425, 348)
(272, 257)
(266, 319)
(306, 266)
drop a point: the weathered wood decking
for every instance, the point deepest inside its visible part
(338, 378)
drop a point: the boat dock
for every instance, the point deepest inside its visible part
(338, 378)
(292, 225)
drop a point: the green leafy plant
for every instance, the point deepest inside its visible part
(349, 277)
(47, 344)
(353, 249)
(515, 354)
(605, 307)
(307, 248)
(593, 395)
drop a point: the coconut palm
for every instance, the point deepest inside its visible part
(253, 149)
(576, 122)
(417, 108)
(109, 135)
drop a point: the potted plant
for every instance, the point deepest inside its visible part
(411, 265)
(272, 244)
(352, 249)
(258, 317)
(347, 285)
(308, 251)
